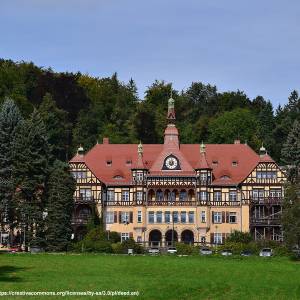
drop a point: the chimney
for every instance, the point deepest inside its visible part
(236, 142)
(105, 140)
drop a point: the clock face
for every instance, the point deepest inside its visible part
(171, 163)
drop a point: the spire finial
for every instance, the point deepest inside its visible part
(262, 150)
(80, 150)
(171, 109)
(202, 148)
(140, 148)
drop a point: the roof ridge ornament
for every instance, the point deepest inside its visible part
(262, 150)
(140, 148)
(171, 109)
(202, 148)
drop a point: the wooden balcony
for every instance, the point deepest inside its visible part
(265, 221)
(172, 203)
(266, 201)
(84, 200)
(81, 219)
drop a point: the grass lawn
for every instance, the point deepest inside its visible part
(158, 277)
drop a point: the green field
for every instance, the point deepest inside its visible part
(161, 277)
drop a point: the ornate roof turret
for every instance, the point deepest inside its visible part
(202, 163)
(140, 161)
(264, 156)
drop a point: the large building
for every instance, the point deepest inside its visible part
(161, 193)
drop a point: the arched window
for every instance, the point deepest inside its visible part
(182, 195)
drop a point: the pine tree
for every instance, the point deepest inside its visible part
(61, 188)
(291, 215)
(31, 156)
(291, 152)
(10, 118)
(57, 127)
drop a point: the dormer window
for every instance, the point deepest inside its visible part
(139, 176)
(215, 162)
(109, 162)
(128, 162)
(225, 177)
(234, 163)
(118, 177)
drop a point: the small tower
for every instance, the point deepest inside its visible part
(139, 169)
(204, 171)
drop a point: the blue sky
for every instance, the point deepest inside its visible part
(252, 45)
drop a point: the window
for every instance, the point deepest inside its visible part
(159, 217)
(139, 239)
(183, 217)
(203, 195)
(125, 217)
(232, 196)
(128, 162)
(139, 176)
(85, 194)
(257, 194)
(234, 163)
(118, 177)
(159, 196)
(217, 196)
(167, 217)
(79, 174)
(203, 216)
(171, 196)
(110, 196)
(191, 217)
(215, 162)
(266, 175)
(217, 217)
(203, 239)
(175, 216)
(232, 217)
(125, 196)
(151, 217)
(108, 162)
(109, 217)
(182, 196)
(139, 216)
(275, 193)
(139, 196)
(203, 176)
(217, 238)
(124, 236)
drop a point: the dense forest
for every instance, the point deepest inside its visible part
(80, 109)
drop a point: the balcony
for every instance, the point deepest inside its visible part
(265, 221)
(84, 200)
(82, 219)
(171, 203)
(266, 200)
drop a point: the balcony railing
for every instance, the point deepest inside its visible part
(88, 199)
(266, 200)
(81, 219)
(172, 203)
(265, 221)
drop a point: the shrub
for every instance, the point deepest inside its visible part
(122, 248)
(186, 249)
(237, 248)
(239, 237)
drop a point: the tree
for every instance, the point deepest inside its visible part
(291, 215)
(291, 153)
(236, 124)
(30, 171)
(10, 118)
(57, 126)
(60, 190)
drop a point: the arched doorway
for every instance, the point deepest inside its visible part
(151, 195)
(187, 237)
(155, 237)
(171, 237)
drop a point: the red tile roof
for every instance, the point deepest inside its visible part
(220, 158)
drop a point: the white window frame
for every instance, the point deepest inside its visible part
(191, 217)
(217, 196)
(152, 214)
(232, 214)
(125, 196)
(139, 196)
(183, 213)
(167, 213)
(109, 217)
(232, 196)
(125, 216)
(139, 216)
(159, 213)
(110, 196)
(139, 176)
(125, 236)
(218, 238)
(203, 216)
(217, 217)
